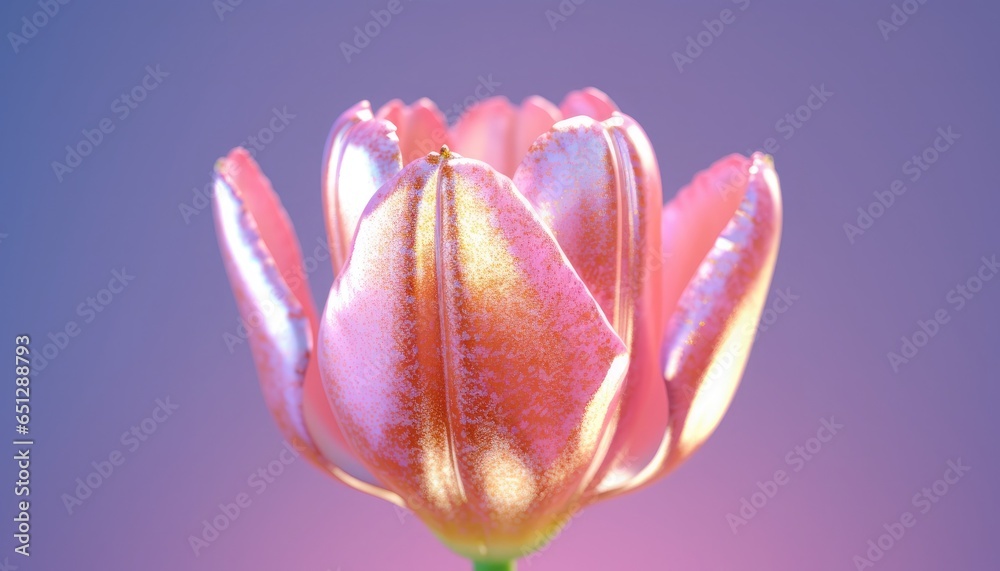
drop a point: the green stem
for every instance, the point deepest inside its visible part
(494, 566)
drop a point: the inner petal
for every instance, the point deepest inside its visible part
(492, 130)
(421, 127)
(694, 219)
(500, 134)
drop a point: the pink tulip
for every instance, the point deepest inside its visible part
(518, 327)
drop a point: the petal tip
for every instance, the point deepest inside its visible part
(231, 165)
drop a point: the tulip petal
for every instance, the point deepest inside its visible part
(589, 102)
(264, 265)
(361, 154)
(500, 134)
(261, 256)
(597, 186)
(535, 117)
(693, 220)
(422, 127)
(470, 368)
(709, 337)
(486, 132)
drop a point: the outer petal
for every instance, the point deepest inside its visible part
(708, 339)
(470, 367)
(264, 264)
(361, 154)
(597, 186)
(589, 102)
(693, 220)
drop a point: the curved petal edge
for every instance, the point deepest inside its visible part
(361, 154)
(709, 337)
(597, 186)
(264, 265)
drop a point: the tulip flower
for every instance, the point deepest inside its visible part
(518, 327)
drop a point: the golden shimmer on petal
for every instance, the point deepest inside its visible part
(509, 484)
(471, 369)
(596, 185)
(495, 361)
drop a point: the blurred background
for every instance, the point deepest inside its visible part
(110, 264)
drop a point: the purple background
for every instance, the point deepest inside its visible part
(825, 356)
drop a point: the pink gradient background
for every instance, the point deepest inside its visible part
(825, 356)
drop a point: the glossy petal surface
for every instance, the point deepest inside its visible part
(589, 102)
(708, 340)
(693, 220)
(470, 367)
(263, 262)
(421, 127)
(535, 117)
(597, 186)
(494, 360)
(362, 153)
(496, 132)
(486, 132)
(262, 257)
